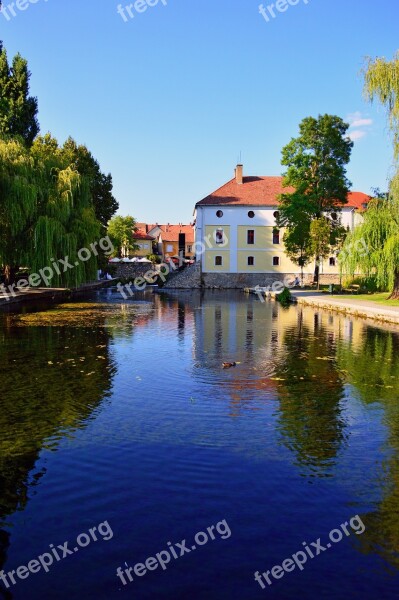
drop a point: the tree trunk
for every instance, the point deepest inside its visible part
(9, 274)
(316, 271)
(395, 293)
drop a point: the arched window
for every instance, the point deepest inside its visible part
(219, 214)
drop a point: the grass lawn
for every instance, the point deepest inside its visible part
(381, 298)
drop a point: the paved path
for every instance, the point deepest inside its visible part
(360, 308)
(32, 294)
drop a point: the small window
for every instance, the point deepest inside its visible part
(189, 249)
(219, 214)
(276, 214)
(250, 236)
(169, 248)
(219, 236)
(218, 261)
(251, 214)
(334, 216)
(276, 261)
(276, 237)
(251, 261)
(332, 261)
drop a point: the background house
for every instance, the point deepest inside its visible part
(172, 240)
(143, 240)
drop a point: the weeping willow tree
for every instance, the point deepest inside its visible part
(65, 224)
(372, 248)
(18, 203)
(379, 232)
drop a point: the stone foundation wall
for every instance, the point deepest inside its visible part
(188, 278)
(244, 280)
(131, 270)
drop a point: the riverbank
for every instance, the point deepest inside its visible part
(350, 305)
(34, 294)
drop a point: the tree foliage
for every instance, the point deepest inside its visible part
(380, 228)
(316, 173)
(105, 204)
(121, 232)
(46, 211)
(18, 110)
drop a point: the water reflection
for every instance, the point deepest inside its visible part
(53, 382)
(147, 375)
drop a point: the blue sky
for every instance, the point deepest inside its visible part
(167, 100)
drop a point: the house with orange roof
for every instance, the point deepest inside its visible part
(174, 240)
(237, 227)
(143, 240)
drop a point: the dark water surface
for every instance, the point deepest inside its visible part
(119, 412)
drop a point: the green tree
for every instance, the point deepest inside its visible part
(104, 203)
(379, 232)
(18, 198)
(18, 110)
(316, 173)
(298, 245)
(121, 232)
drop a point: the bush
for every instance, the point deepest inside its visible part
(154, 258)
(285, 297)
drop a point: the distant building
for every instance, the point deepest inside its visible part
(143, 240)
(172, 240)
(237, 225)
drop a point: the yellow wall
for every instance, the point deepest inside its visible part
(210, 261)
(264, 261)
(142, 252)
(263, 237)
(210, 236)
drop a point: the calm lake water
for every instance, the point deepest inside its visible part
(120, 413)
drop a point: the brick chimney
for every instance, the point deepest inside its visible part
(238, 174)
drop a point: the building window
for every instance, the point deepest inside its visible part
(251, 261)
(250, 236)
(276, 237)
(334, 216)
(145, 246)
(169, 248)
(251, 214)
(276, 261)
(219, 236)
(189, 249)
(219, 214)
(218, 261)
(332, 261)
(276, 214)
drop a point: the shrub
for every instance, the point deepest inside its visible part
(285, 297)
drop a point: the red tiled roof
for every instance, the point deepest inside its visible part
(261, 191)
(142, 235)
(170, 233)
(357, 200)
